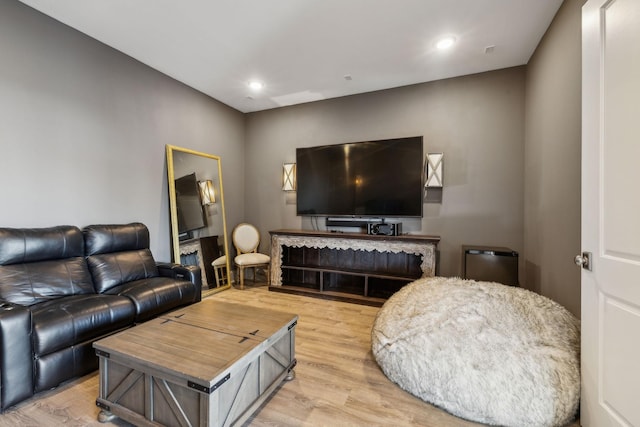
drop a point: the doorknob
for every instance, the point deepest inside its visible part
(583, 260)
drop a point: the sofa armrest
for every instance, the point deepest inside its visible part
(192, 273)
(16, 357)
(165, 268)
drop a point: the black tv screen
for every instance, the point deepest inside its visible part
(370, 179)
(188, 204)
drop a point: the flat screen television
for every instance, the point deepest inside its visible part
(188, 204)
(362, 179)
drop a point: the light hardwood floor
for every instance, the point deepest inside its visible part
(338, 383)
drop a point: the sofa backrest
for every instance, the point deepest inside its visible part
(118, 253)
(40, 264)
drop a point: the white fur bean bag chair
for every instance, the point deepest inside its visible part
(483, 351)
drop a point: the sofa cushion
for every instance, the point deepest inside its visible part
(156, 295)
(21, 245)
(110, 270)
(35, 282)
(118, 253)
(72, 320)
(39, 264)
(108, 238)
(55, 368)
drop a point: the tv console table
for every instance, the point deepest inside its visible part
(353, 267)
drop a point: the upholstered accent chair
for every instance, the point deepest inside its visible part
(220, 270)
(246, 239)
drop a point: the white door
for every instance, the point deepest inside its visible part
(611, 213)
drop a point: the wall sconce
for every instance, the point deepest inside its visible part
(207, 194)
(433, 178)
(433, 173)
(289, 177)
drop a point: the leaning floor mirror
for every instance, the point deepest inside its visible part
(198, 223)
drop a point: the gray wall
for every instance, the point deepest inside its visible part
(476, 121)
(83, 130)
(552, 160)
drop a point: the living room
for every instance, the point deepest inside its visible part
(84, 130)
(90, 126)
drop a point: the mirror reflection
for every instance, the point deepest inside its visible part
(198, 224)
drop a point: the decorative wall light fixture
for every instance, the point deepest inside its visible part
(433, 178)
(289, 177)
(433, 173)
(207, 193)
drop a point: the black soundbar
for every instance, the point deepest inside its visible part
(355, 222)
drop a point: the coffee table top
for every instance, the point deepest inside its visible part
(200, 342)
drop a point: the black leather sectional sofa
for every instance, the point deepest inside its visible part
(63, 288)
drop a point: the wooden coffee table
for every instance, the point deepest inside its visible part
(210, 364)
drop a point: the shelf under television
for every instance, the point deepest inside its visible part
(350, 272)
(357, 268)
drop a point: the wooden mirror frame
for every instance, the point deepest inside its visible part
(173, 212)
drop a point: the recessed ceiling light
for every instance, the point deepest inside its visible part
(445, 42)
(256, 85)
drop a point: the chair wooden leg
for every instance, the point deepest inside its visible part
(241, 277)
(268, 274)
(217, 273)
(224, 276)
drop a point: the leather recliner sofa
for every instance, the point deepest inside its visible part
(62, 288)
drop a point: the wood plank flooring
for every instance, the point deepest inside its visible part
(338, 383)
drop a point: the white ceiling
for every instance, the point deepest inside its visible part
(302, 50)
